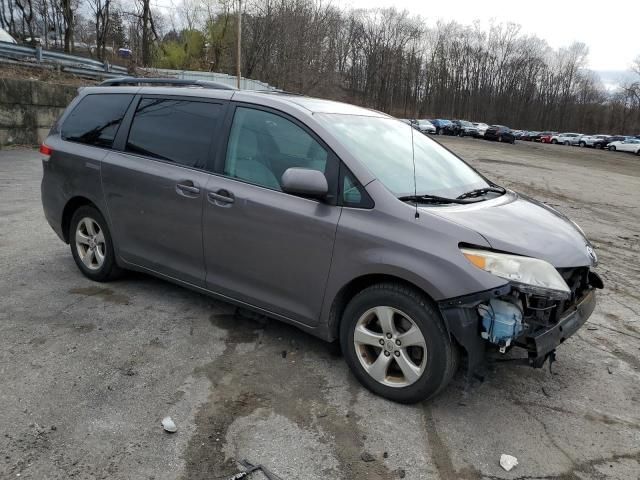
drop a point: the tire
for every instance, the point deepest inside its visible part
(566, 144)
(597, 146)
(431, 362)
(612, 148)
(554, 141)
(92, 243)
(582, 144)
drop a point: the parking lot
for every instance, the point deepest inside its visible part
(87, 370)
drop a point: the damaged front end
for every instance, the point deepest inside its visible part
(533, 318)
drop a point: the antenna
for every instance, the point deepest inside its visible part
(413, 158)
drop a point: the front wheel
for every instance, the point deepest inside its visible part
(393, 339)
(91, 245)
(582, 144)
(612, 148)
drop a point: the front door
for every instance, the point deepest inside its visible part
(262, 246)
(155, 187)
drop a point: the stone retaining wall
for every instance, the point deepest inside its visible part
(28, 109)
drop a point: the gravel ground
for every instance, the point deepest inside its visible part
(87, 371)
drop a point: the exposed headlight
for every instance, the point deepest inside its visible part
(532, 274)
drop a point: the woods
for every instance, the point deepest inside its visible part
(387, 59)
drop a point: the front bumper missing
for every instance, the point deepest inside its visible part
(541, 344)
(463, 323)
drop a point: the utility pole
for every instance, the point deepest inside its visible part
(238, 43)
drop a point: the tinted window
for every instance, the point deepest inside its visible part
(96, 119)
(177, 131)
(263, 145)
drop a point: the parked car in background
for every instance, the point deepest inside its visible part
(482, 127)
(533, 136)
(565, 138)
(603, 142)
(5, 37)
(500, 133)
(520, 134)
(629, 145)
(440, 125)
(461, 128)
(590, 140)
(545, 137)
(425, 126)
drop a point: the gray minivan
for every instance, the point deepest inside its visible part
(334, 218)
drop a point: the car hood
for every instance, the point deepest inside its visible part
(518, 224)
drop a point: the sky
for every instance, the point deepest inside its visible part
(610, 29)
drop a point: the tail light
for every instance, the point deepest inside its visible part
(46, 150)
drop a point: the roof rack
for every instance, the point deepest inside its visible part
(114, 82)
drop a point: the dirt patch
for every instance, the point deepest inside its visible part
(105, 294)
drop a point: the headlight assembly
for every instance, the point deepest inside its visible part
(531, 274)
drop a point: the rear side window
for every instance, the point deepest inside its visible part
(174, 130)
(96, 119)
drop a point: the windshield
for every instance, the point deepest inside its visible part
(383, 145)
(424, 122)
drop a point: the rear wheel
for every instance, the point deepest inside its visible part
(393, 339)
(91, 245)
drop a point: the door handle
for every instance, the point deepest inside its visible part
(221, 196)
(188, 187)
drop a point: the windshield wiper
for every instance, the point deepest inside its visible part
(434, 199)
(478, 192)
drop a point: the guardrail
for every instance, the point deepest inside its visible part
(95, 68)
(70, 63)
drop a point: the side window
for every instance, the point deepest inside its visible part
(262, 146)
(173, 130)
(95, 120)
(353, 193)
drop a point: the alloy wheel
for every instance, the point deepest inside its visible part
(390, 346)
(90, 243)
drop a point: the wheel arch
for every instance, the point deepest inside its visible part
(355, 286)
(67, 213)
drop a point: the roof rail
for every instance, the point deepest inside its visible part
(114, 82)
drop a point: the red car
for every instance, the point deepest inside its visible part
(545, 137)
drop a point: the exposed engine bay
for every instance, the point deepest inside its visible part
(518, 316)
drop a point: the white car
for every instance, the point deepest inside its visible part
(482, 127)
(5, 37)
(629, 145)
(425, 126)
(566, 138)
(590, 140)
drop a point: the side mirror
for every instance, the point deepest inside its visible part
(305, 182)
